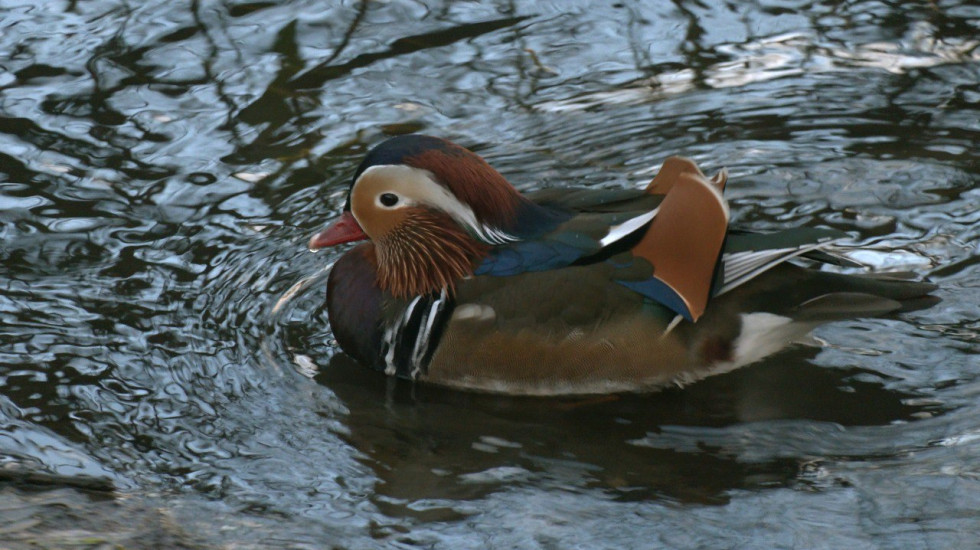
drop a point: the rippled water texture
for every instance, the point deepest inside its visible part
(163, 163)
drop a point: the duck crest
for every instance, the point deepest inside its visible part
(466, 175)
(473, 181)
(426, 253)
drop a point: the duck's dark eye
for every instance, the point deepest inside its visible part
(389, 199)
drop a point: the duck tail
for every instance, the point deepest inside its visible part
(867, 295)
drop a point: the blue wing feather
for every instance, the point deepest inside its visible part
(657, 290)
(525, 256)
(557, 240)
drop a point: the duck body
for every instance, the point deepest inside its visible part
(466, 283)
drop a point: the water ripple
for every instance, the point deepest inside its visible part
(162, 328)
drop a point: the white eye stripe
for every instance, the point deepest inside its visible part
(419, 187)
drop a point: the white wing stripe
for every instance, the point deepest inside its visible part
(619, 231)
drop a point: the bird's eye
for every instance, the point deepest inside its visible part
(388, 199)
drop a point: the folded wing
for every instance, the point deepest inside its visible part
(669, 242)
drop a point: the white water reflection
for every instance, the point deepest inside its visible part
(786, 55)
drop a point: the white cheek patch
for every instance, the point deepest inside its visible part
(418, 187)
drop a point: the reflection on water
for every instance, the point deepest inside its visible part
(166, 365)
(430, 440)
(788, 55)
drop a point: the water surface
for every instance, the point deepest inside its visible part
(162, 165)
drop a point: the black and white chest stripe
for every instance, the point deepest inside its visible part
(410, 339)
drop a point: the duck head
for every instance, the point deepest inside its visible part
(431, 209)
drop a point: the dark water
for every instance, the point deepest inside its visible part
(163, 163)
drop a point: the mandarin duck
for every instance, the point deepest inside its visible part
(466, 282)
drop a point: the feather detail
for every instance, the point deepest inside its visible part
(471, 180)
(683, 244)
(426, 253)
(353, 295)
(674, 167)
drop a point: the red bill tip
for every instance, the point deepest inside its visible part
(344, 230)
